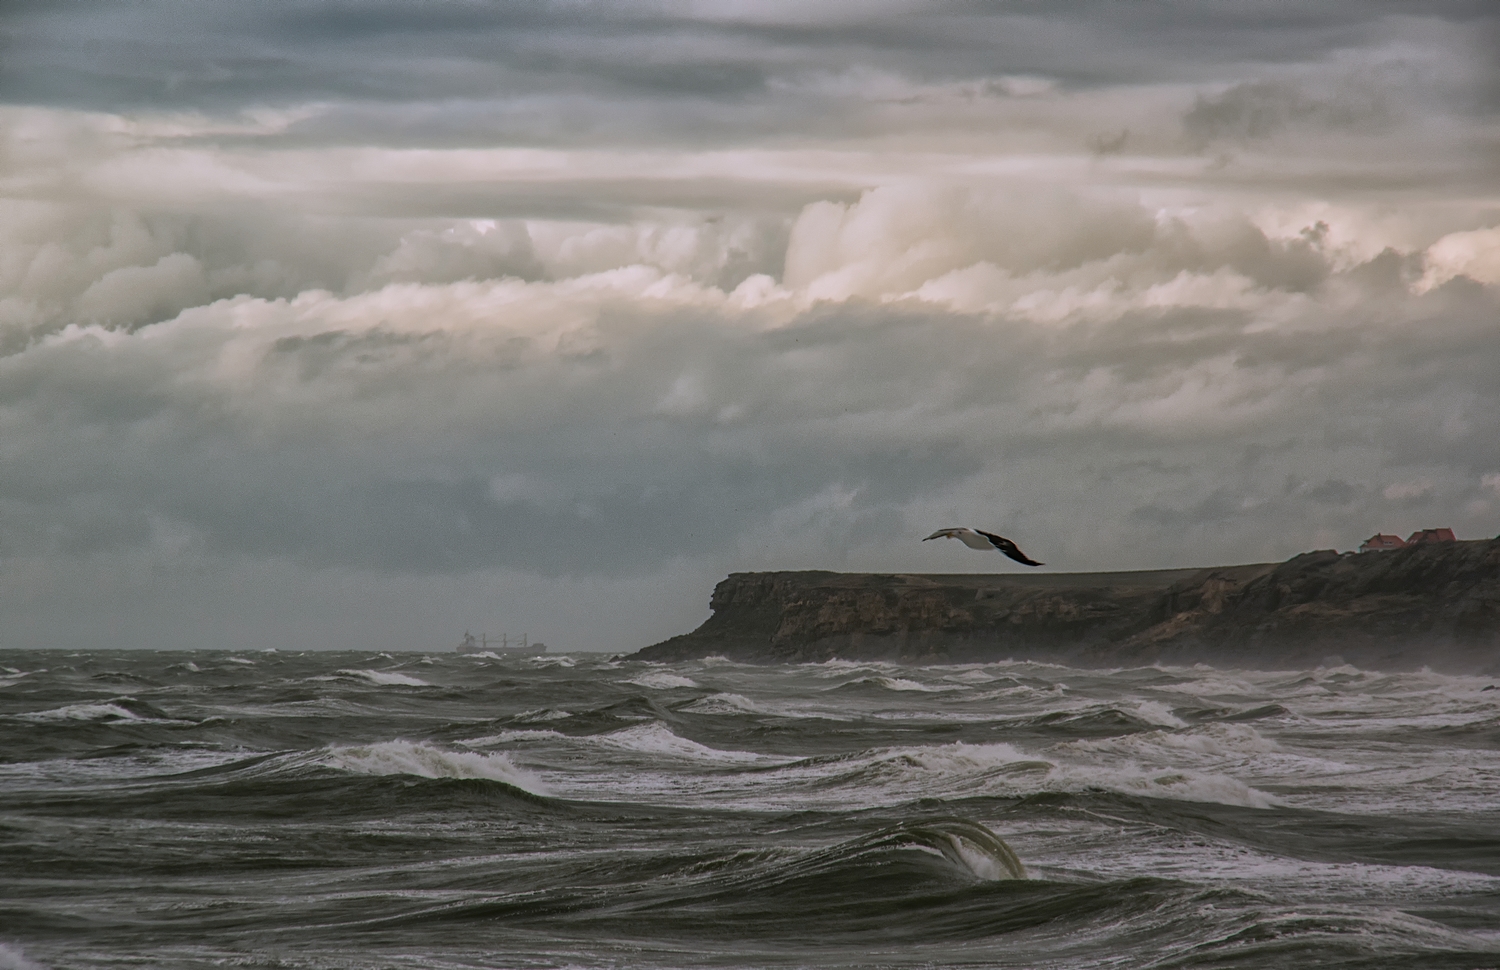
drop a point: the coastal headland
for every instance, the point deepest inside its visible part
(1434, 605)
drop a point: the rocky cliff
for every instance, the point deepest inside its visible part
(1433, 605)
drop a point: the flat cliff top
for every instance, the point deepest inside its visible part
(1436, 604)
(1033, 578)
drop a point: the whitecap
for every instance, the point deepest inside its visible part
(80, 712)
(385, 678)
(1000, 769)
(103, 713)
(723, 704)
(839, 668)
(540, 714)
(426, 761)
(1155, 712)
(14, 958)
(1235, 741)
(894, 683)
(960, 758)
(661, 680)
(1187, 786)
(1210, 686)
(504, 737)
(972, 676)
(657, 739)
(901, 683)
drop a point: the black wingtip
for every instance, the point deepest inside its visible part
(1010, 549)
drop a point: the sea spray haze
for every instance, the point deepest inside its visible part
(359, 810)
(354, 324)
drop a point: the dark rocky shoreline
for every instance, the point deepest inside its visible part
(1432, 606)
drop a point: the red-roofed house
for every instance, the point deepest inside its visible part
(1380, 542)
(1423, 536)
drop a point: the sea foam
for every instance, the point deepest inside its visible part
(999, 769)
(657, 739)
(105, 713)
(661, 680)
(427, 761)
(13, 958)
(724, 703)
(384, 678)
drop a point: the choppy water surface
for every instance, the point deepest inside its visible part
(358, 810)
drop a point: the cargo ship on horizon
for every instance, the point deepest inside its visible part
(486, 644)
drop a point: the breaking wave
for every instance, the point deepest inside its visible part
(383, 678)
(658, 739)
(723, 704)
(120, 710)
(963, 770)
(426, 761)
(661, 680)
(14, 958)
(613, 815)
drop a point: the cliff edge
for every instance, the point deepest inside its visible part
(1432, 605)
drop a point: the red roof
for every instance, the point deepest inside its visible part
(1380, 541)
(1431, 535)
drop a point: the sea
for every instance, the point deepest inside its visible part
(406, 810)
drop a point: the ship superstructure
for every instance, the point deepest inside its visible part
(502, 645)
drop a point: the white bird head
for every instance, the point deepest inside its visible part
(967, 536)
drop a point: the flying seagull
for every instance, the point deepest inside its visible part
(977, 539)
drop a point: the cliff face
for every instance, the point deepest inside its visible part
(1434, 605)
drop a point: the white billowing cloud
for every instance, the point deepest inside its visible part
(1475, 254)
(482, 249)
(133, 295)
(930, 351)
(468, 425)
(1044, 253)
(898, 238)
(717, 250)
(570, 342)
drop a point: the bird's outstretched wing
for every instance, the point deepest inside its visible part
(1009, 548)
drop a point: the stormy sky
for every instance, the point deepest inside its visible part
(349, 323)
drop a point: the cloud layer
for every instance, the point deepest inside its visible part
(527, 323)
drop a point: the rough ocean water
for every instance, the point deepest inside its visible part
(372, 810)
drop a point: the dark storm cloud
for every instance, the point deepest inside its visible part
(428, 449)
(597, 300)
(484, 61)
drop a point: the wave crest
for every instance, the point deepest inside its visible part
(426, 761)
(661, 680)
(658, 739)
(383, 678)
